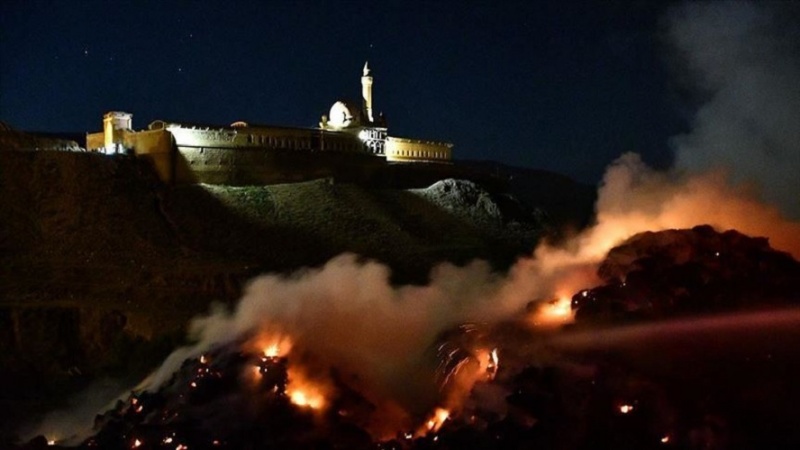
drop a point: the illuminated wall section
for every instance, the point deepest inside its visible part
(411, 150)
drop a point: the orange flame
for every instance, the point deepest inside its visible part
(440, 415)
(555, 312)
(304, 392)
(273, 346)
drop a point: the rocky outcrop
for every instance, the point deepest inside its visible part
(500, 214)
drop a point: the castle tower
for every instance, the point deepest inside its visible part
(366, 92)
(115, 124)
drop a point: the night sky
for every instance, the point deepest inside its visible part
(563, 86)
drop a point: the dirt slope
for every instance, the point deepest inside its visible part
(101, 266)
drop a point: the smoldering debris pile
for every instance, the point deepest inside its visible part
(226, 398)
(689, 271)
(231, 399)
(692, 383)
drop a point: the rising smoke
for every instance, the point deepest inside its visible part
(745, 143)
(348, 315)
(745, 58)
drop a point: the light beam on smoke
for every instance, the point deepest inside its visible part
(634, 198)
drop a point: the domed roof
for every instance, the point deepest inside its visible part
(344, 114)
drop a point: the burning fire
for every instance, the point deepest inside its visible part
(303, 392)
(273, 346)
(440, 415)
(493, 365)
(300, 390)
(555, 312)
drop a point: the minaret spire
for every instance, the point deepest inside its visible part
(366, 92)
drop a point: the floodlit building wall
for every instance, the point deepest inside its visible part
(95, 141)
(156, 147)
(411, 150)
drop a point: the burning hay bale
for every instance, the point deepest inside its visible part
(512, 383)
(698, 270)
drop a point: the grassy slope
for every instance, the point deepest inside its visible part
(98, 233)
(101, 266)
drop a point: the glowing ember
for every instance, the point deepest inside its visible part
(440, 415)
(136, 444)
(203, 359)
(494, 361)
(274, 346)
(272, 351)
(304, 392)
(665, 439)
(554, 312)
(51, 442)
(625, 409)
(304, 399)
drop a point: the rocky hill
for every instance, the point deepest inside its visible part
(102, 265)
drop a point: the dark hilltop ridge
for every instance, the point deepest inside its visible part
(681, 345)
(102, 264)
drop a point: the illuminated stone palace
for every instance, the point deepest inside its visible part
(349, 139)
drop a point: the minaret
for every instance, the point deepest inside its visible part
(366, 92)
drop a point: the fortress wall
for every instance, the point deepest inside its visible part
(410, 150)
(253, 166)
(155, 147)
(267, 137)
(187, 154)
(95, 141)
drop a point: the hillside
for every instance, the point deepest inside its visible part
(102, 266)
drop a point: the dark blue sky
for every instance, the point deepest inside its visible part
(563, 86)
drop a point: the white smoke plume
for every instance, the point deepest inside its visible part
(744, 57)
(348, 315)
(634, 198)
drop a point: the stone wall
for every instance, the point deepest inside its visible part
(411, 150)
(244, 155)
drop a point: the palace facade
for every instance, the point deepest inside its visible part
(348, 139)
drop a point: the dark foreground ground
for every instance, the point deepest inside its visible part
(101, 266)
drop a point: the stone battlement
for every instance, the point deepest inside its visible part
(182, 153)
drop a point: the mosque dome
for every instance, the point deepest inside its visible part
(344, 114)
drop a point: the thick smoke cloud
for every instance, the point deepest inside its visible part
(347, 315)
(745, 59)
(634, 198)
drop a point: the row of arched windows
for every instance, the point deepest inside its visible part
(303, 142)
(421, 154)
